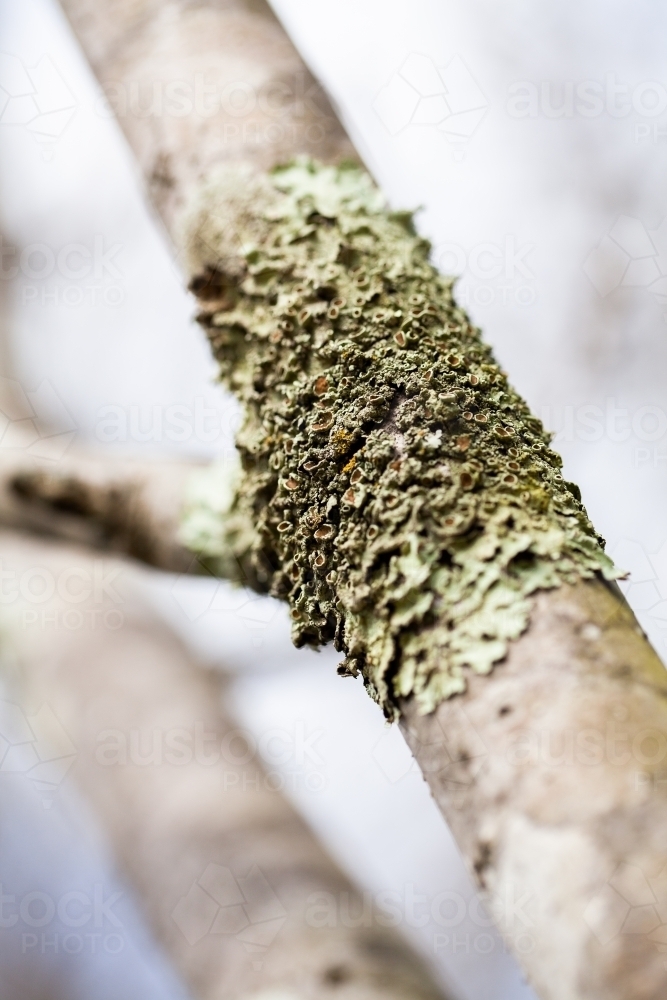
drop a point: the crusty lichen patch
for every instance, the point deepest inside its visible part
(396, 490)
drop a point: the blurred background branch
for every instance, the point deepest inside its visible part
(111, 503)
(232, 882)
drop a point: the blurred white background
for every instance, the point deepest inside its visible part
(534, 136)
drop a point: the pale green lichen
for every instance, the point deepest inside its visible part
(208, 502)
(396, 491)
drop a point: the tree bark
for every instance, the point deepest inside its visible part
(247, 95)
(551, 775)
(108, 502)
(585, 839)
(229, 876)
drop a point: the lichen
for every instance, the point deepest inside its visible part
(396, 490)
(208, 502)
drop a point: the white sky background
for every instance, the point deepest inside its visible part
(554, 222)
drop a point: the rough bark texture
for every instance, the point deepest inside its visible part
(108, 502)
(225, 870)
(584, 840)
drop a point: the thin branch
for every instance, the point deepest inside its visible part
(108, 502)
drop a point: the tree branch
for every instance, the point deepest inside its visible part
(555, 832)
(108, 502)
(241, 92)
(193, 819)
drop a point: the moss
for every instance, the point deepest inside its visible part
(396, 490)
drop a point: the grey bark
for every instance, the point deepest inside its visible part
(225, 870)
(551, 774)
(109, 502)
(262, 104)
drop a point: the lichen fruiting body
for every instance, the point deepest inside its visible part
(396, 490)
